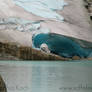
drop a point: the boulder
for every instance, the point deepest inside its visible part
(44, 48)
(75, 57)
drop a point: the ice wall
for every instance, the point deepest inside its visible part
(61, 45)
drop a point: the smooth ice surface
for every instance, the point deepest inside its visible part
(60, 45)
(43, 8)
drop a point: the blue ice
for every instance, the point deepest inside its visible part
(61, 45)
(43, 8)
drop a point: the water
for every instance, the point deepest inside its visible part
(47, 76)
(60, 45)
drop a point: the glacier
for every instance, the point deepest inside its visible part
(61, 45)
(43, 8)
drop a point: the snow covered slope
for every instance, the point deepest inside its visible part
(76, 22)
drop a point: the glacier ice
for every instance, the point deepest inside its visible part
(19, 24)
(43, 8)
(61, 45)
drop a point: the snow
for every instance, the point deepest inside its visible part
(43, 8)
(76, 22)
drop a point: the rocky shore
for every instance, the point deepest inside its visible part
(2, 85)
(13, 51)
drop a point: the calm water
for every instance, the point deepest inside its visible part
(60, 45)
(47, 76)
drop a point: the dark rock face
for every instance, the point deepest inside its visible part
(88, 5)
(2, 85)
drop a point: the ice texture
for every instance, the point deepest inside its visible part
(61, 45)
(43, 8)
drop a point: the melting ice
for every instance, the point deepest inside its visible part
(57, 44)
(61, 45)
(43, 8)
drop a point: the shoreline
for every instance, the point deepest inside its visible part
(13, 51)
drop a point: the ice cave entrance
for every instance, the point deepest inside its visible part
(60, 45)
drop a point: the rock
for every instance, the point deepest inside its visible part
(90, 9)
(75, 57)
(24, 53)
(44, 48)
(2, 85)
(91, 17)
(90, 58)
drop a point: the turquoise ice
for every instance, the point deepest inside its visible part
(43, 8)
(61, 45)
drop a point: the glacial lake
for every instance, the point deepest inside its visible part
(36, 76)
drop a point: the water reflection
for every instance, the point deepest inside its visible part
(47, 76)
